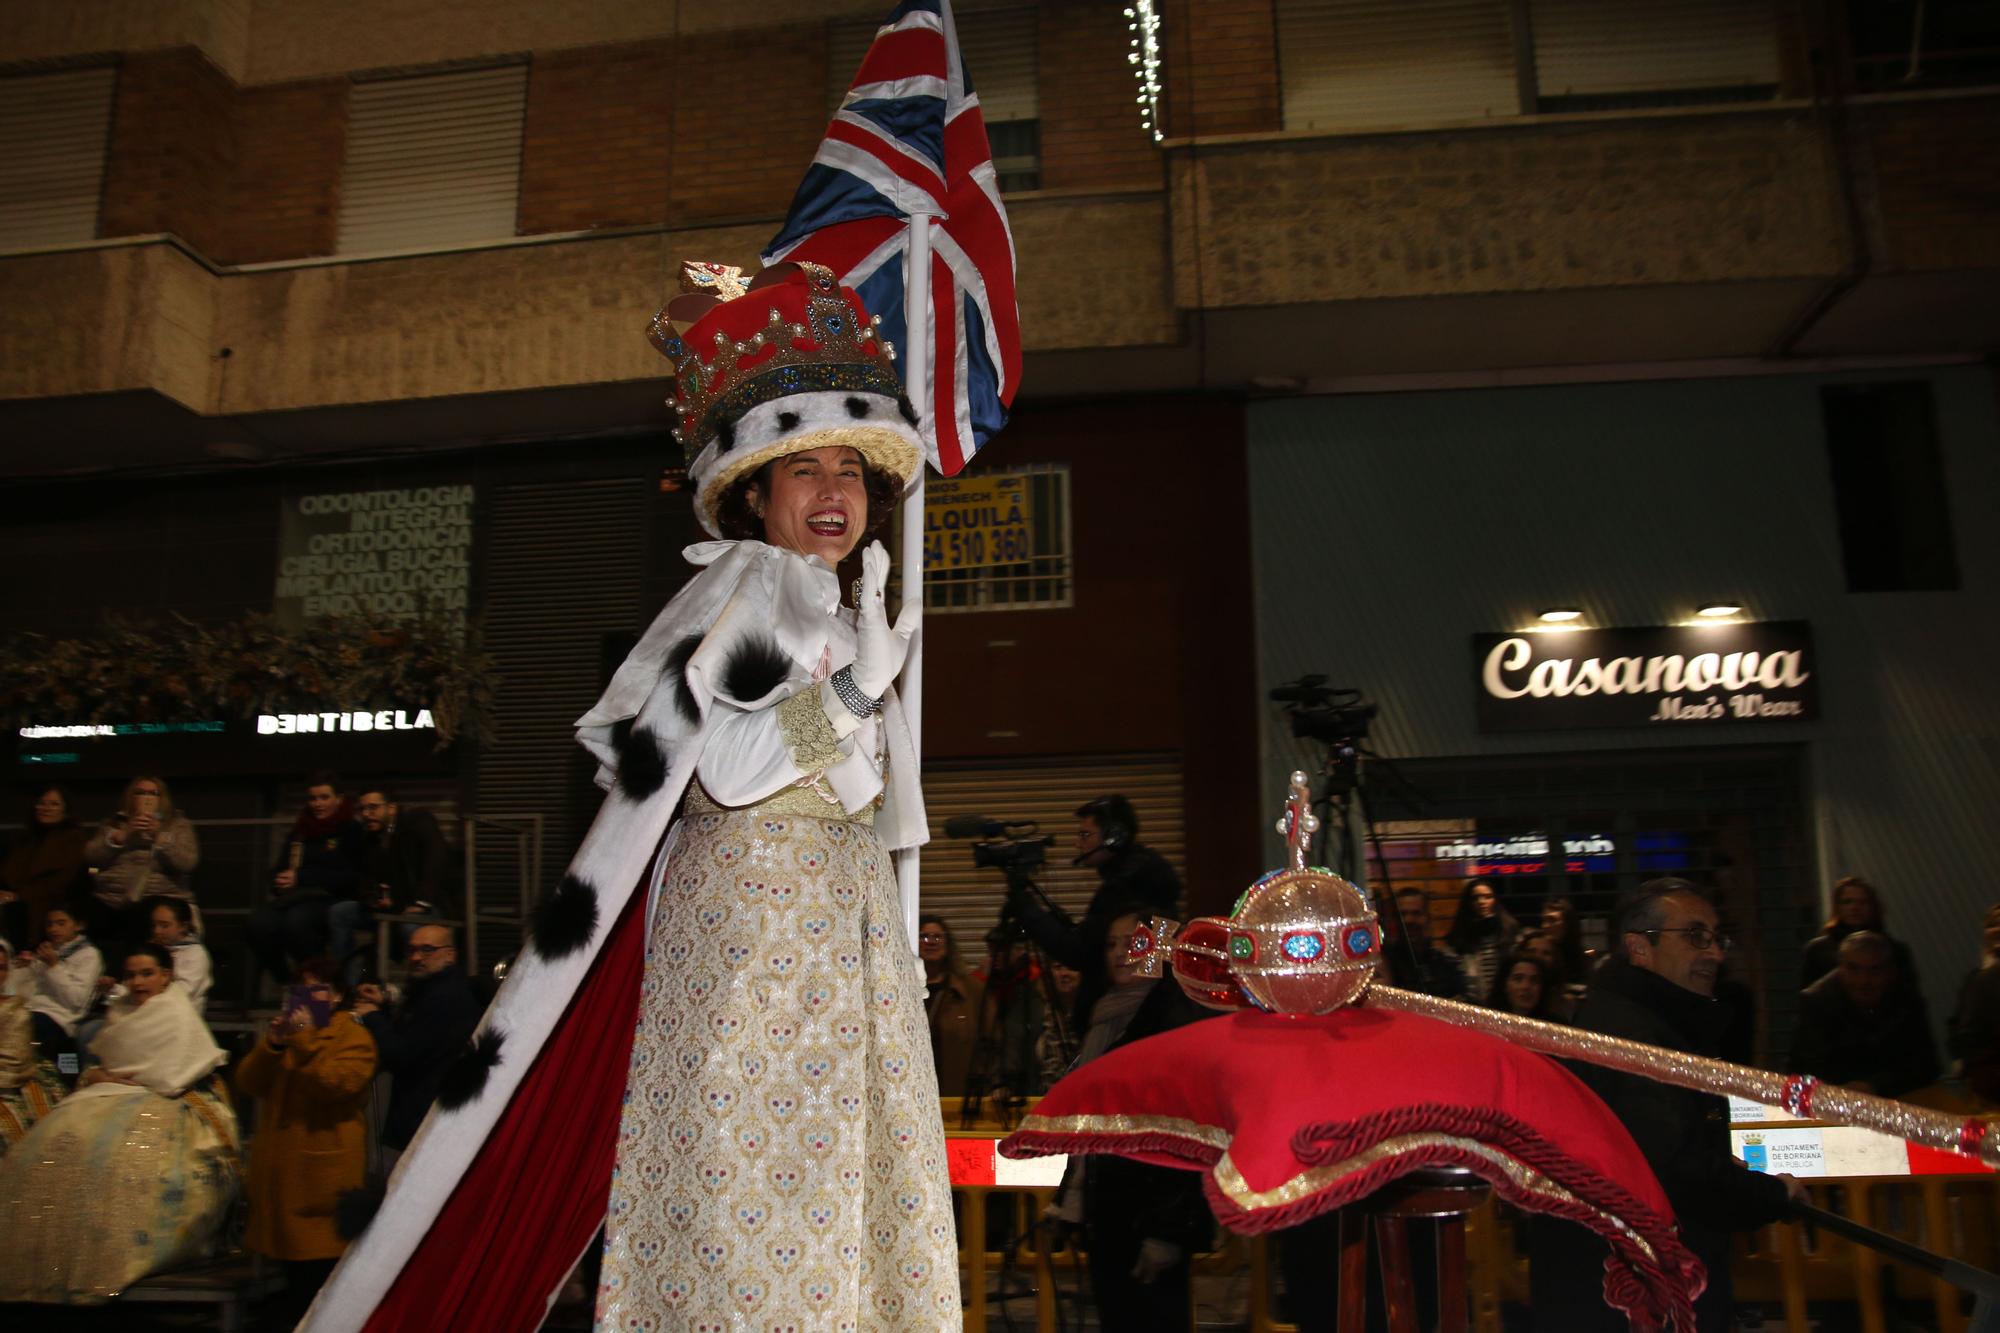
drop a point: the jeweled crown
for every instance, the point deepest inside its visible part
(797, 332)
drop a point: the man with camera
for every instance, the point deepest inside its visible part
(1133, 876)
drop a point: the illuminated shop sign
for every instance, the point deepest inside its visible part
(1583, 854)
(1682, 676)
(91, 730)
(310, 724)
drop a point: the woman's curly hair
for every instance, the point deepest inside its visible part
(738, 522)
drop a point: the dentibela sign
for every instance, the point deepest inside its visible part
(1682, 677)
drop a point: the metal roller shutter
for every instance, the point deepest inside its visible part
(1352, 64)
(432, 161)
(1047, 791)
(1594, 48)
(564, 568)
(999, 50)
(53, 133)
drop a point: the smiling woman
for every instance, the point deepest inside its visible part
(768, 1138)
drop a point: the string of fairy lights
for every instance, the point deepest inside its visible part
(1143, 21)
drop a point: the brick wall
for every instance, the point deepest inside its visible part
(1936, 185)
(749, 111)
(172, 146)
(285, 190)
(1222, 67)
(598, 139)
(1091, 133)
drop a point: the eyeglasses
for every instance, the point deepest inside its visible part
(425, 950)
(145, 791)
(1698, 937)
(932, 939)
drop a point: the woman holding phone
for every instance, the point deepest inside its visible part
(310, 1074)
(147, 848)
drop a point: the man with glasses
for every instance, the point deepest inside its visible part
(1658, 987)
(417, 1039)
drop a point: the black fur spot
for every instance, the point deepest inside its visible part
(903, 406)
(858, 408)
(566, 919)
(465, 1077)
(677, 662)
(755, 667)
(787, 421)
(725, 436)
(642, 764)
(354, 1210)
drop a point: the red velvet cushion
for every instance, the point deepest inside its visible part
(1291, 1116)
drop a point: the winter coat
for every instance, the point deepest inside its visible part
(41, 869)
(953, 1010)
(130, 867)
(1685, 1138)
(1135, 878)
(311, 1140)
(1888, 1047)
(417, 1041)
(331, 853)
(1822, 955)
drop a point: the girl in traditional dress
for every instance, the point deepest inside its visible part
(721, 998)
(29, 1084)
(135, 1171)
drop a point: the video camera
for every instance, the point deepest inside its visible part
(1323, 713)
(1007, 846)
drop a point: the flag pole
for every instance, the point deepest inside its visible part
(917, 345)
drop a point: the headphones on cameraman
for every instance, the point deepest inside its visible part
(1115, 821)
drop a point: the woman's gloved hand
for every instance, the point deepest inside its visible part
(879, 650)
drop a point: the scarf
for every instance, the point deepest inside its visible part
(161, 1044)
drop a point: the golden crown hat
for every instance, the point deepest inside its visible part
(788, 361)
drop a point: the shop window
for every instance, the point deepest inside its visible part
(54, 129)
(1890, 496)
(998, 47)
(998, 540)
(433, 161)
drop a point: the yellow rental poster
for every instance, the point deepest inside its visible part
(974, 522)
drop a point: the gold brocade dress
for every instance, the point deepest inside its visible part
(781, 1160)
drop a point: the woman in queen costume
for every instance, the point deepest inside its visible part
(715, 1045)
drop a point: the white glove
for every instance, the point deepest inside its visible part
(879, 651)
(1155, 1258)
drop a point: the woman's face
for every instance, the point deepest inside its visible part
(1118, 960)
(60, 927)
(50, 807)
(1483, 901)
(932, 941)
(1066, 978)
(1854, 906)
(1554, 919)
(143, 798)
(1524, 988)
(145, 978)
(167, 928)
(817, 503)
(1538, 945)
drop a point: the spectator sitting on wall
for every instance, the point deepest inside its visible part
(1975, 1023)
(310, 1074)
(147, 848)
(1856, 906)
(314, 910)
(416, 1040)
(951, 1002)
(1415, 962)
(1482, 934)
(1525, 989)
(1862, 1027)
(65, 971)
(43, 866)
(407, 866)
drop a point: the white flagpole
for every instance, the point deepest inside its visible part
(917, 345)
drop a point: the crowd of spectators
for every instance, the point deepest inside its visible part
(103, 1026)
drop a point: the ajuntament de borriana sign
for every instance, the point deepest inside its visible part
(1680, 676)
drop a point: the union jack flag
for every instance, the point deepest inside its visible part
(909, 140)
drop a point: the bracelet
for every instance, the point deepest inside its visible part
(858, 702)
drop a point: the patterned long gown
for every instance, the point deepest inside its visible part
(781, 1161)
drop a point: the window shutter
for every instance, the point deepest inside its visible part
(847, 41)
(1048, 791)
(998, 47)
(1351, 64)
(1598, 48)
(432, 161)
(54, 129)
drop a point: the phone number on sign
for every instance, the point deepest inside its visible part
(967, 550)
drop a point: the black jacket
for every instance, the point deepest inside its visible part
(416, 1042)
(1426, 969)
(329, 857)
(1889, 1047)
(411, 864)
(1685, 1138)
(1135, 879)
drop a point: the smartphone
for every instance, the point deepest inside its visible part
(318, 1007)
